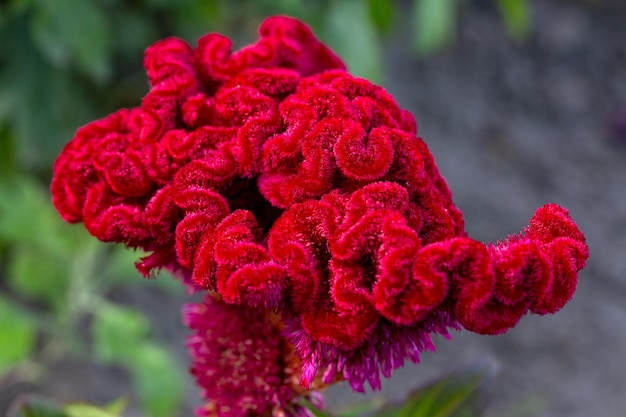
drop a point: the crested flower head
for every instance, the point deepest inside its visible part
(274, 178)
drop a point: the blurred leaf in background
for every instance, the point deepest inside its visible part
(434, 22)
(350, 30)
(116, 332)
(434, 25)
(80, 39)
(461, 393)
(382, 14)
(41, 247)
(88, 410)
(63, 275)
(121, 337)
(158, 378)
(458, 394)
(34, 406)
(19, 334)
(516, 17)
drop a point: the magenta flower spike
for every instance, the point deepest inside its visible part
(242, 362)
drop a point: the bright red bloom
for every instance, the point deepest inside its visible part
(278, 180)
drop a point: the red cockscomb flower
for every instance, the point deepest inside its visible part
(274, 178)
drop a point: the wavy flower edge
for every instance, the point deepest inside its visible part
(273, 178)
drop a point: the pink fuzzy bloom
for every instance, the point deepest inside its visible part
(276, 179)
(242, 362)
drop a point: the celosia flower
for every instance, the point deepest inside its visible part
(276, 179)
(242, 362)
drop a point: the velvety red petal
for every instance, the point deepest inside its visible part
(273, 178)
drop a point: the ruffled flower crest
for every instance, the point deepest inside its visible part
(273, 178)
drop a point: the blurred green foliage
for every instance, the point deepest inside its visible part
(39, 407)
(67, 62)
(58, 275)
(434, 24)
(121, 337)
(458, 394)
(18, 335)
(516, 16)
(64, 63)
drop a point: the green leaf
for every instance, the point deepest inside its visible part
(454, 395)
(350, 32)
(27, 215)
(117, 406)
(29, 219)
(7, 144)
(36, 407)
(156, 3)
(139, 32)
(316, 411)
(120, 270)
(18, 6)
(48, 258)
(158, 380)
(516, 17)
(37, 275)
(86, 410)
(46, 104)
(18, 335)
(193, 17)
(434, 24)
(382, 14)
(74, 31)
(120, 336)
(362, 409)
(117, 331)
